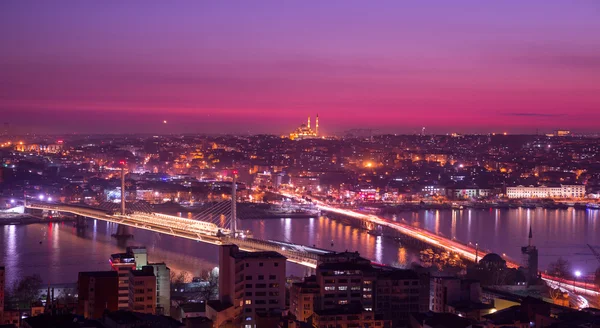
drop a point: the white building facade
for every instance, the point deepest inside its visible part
(562, 191)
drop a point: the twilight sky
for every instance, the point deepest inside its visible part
(263, 66)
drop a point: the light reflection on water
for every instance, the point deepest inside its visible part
(58, 251)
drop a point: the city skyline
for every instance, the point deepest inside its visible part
(237, 68)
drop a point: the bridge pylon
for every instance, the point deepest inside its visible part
(80, 222)
(123, 232)
(233, 204)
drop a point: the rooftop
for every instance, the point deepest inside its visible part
(341, 310)
(439, 320)
(142, 273)
(218, 306)
(61, 321)
(192, 307)
(508, 316)
(257, 255)
(98, 274)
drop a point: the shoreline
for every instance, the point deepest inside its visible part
(24, 219)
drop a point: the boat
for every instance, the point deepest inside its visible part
(528, 205)
(593, 206)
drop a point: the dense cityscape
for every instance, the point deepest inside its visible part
(300, 176)
(299, 164)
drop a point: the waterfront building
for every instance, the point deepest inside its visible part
(97, 292)
(561, 191)
(467, 192)
(308, 183)
(430, 190)
(142, 290)
(251, 282)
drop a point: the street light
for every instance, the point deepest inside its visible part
(577, 273)
(41, 197)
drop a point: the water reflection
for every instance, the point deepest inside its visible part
(65, 251)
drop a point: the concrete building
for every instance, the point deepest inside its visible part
(136, 257)
(467, 192)
(348, 317)
(39, 148)
(123, 263)
(142, 290)
(371, 294)
(446, 291)
(97, 292)
(253, 282)
(345, 278)
(140, 256)
(430, 190)
(561, 191)
(303, 296)
(307, 183)
(163, 288)
(399, 293)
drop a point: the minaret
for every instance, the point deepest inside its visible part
(308, 126)
(317, 125)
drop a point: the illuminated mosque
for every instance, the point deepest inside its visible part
(305, 132)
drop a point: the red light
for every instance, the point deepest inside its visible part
(122, 162)
(59, 141)
(235, 172)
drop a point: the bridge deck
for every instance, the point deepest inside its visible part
(191, 229)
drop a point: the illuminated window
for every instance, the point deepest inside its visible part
(343, 302)
(248, 302)
(343, 287)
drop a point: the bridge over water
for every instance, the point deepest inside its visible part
(194, 229)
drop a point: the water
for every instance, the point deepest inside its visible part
(58, 251)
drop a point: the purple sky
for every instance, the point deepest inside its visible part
(263, 66)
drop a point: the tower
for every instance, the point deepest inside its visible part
(233, 205)
(123, 189)
(308, 125)
(530, 260)
(317, 125)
